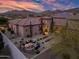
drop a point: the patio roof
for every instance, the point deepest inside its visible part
(14, 21)
(26, 21)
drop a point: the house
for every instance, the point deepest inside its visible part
(65, 19)
(31, 26)
(60, 18)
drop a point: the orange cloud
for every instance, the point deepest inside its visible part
(51, 0)
(23, 5)
(30, 5)
(7, 0)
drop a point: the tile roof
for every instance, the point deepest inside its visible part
(26, 21)
(14, 21)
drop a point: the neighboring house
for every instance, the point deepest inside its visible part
(30, 26)
(41, 25)
(64, 18)
(61, 18)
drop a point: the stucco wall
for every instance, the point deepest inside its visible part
(36, 30)
(21, 31)
(16, 54)
(27, 31)
(61, 22)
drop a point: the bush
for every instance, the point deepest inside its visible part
(1, 45)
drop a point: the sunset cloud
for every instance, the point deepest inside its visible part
(58, 6)
(30, 5)
(21, 5)
(71, 5)
(48, 1)
(37, 5)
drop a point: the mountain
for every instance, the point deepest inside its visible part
(24, 13)
(49, 13)
(73, 10)
(19, 14)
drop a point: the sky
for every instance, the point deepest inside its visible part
(37, 5)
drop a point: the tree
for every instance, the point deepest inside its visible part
(3, 21)
(1, 42)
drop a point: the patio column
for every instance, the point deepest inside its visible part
(31, 33)
(51, 25)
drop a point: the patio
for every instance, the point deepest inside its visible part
(45, 42)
